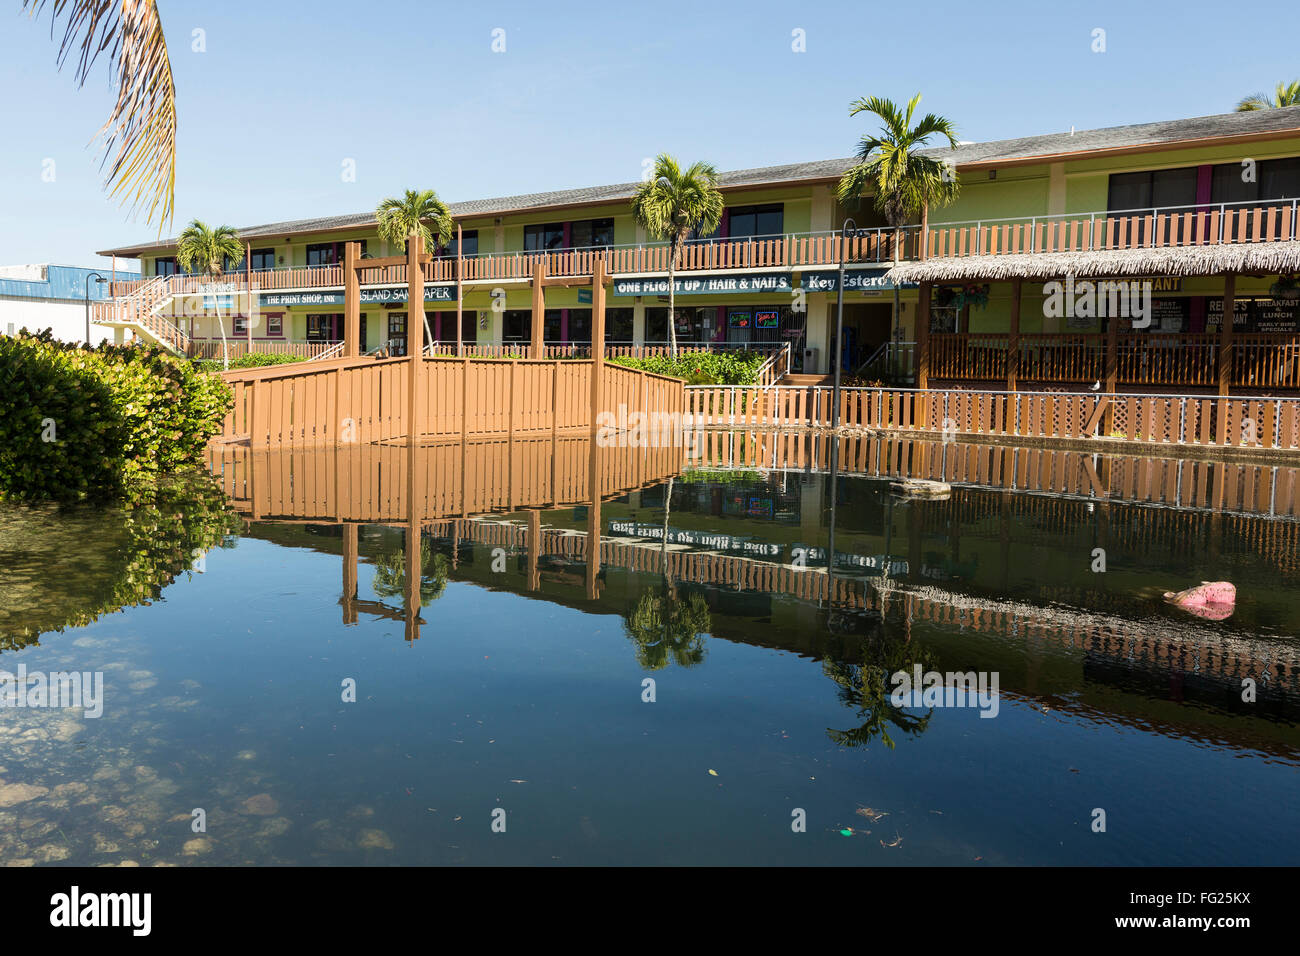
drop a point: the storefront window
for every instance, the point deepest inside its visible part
(542, 237)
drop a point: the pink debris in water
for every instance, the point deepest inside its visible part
(1213, 600)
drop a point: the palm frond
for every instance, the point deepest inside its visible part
(139, 136)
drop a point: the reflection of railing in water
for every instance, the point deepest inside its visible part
(1247, 489)
(1186, 647)
(370, 482)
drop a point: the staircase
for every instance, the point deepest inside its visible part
(138, 310)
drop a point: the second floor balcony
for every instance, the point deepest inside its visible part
(1179, 227)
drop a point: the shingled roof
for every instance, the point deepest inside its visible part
(1026, 149)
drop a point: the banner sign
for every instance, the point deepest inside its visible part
(714, 541)
(734, 283)
(855, 280)
(432, 293)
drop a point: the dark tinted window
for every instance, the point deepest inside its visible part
(592, 232)
(547, 236)
(768, 220)
(1152, 188)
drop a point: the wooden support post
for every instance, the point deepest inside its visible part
(593, 519)
(460, 272)
(351, 300)
(1225, 335)
(415, 336)
(923, 246)
(597, 336)
(349, 574)
(1013, 356)
(534, 548)
(922, 337)
(248, 288)
(1111, 369)
(538, 349)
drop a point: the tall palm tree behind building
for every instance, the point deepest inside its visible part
(670, 205)
(417, 213)
(902, 182)
(1286, 94)
(202, 248)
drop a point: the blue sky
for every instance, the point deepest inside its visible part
(414, 94)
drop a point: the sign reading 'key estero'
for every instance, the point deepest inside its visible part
(432, 293)
(710, 285)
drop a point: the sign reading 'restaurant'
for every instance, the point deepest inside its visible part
(713, 285)
(432, 293)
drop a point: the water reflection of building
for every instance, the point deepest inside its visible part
(965, 590)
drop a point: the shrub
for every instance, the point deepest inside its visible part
(703, 368)
(254, 360)
(99, 423)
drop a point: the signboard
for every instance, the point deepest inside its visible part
(738, 318)
(767, 319)
(855, 280)
(733, 284)
(1255, 315)
(432, 293)
(584, 297)
(1170, 315)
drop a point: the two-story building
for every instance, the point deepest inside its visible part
(1184, 221)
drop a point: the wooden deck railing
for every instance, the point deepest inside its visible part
(1260, 360)
(351, 400)
(239, 347)
(1265, 423)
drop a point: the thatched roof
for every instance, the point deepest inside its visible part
(1265, 258)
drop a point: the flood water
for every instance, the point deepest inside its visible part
(570, 688)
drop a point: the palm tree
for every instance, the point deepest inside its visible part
(1286, 94)
(419, 213)
(139, 137)
(903, 182)
(666, 629)
(201, 248)
(672, 204)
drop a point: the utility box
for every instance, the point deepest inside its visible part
(810, 360)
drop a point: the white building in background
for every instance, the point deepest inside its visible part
(37, 297)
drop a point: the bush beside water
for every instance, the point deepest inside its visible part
(702, 368)
(82, 423)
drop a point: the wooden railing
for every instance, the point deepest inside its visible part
(239, 347)
(351, 400)
(1260, 360)
(1264, 423)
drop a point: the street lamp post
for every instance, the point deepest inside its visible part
(839, 323)
(99, 280)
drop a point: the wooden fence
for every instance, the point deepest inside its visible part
(363, 400)
(1259, 360)
(1266, 423)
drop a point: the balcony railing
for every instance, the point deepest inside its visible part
(1258, 360)
(1154, 228)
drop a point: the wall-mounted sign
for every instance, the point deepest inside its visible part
(584, 296)
(738, 318)
(767, 319)
(855, 280)
(432, 293)
(735, 283)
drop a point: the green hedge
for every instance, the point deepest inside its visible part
(703, 368)
(255, 360)
(99, 423)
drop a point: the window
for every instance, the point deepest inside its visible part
(165, 266)
(275, 323)
(516, 325)
(753, 221)
(618, 325)
(324, 328)
(260, 260)
(1273, 179)
(327, 253)
(397, 333)
(1152, 188)
(540, 238)
(588, 233)
(322, 254)
(471, 244)
(241, 325)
